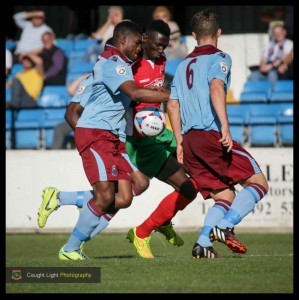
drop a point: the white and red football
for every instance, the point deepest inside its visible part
(150, 121)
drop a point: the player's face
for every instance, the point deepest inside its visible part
(133, 46)
(154, 44)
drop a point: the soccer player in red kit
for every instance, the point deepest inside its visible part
(149, 71)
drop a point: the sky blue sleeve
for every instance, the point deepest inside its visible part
(115, 73)
(83, 92)
(220, 68)
(173, 90)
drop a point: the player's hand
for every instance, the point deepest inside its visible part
(226, 139)
(180, 154)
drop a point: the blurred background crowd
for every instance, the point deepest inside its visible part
(49, 49)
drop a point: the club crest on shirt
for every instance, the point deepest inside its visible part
(114, 170)
(81, 89)
(223, 66)
(121, 70)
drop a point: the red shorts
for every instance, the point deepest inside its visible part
(211, 166)
(102, 157)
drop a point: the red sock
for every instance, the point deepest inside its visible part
(162, 215)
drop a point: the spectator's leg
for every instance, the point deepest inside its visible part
(273, 76)
(61, 132)
(19, 96)
(256, 75)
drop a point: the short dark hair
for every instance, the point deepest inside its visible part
(126, 28)
(205, 23)
(28, 58)
(158, 26)
(109, 42)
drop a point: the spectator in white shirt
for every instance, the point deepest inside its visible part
(277, 59)
(8, 62)
(33, 26)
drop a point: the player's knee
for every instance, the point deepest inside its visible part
(123, 201)
(188, 190)
(104, 199)
(141, 185)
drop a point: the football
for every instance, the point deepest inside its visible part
(150, 121)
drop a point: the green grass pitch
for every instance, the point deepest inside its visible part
(266, 268)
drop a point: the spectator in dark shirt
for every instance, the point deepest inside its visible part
(54, 61)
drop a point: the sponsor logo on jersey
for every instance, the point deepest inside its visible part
(224, 67)
(144, 80)
(121, 70)
(157, 82)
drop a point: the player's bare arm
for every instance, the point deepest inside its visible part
(173, 110)
(141, 94)
(218, 99)
(73, 113)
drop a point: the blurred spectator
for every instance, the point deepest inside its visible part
(62, 130)
(8, 62)
(54, 61)
(176, 48)
(33, 26)
(115, 15)
(27, 84)
(277, 59)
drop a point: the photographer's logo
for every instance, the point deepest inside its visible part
(16, 274)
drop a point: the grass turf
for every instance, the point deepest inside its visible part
(266, 268)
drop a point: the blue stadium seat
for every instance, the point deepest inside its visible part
(16, 68)
(52, 117)
(262, 130)
(171, 66)
(256, 91)
(10, 44)
(286, 134)
(8, 94)
(79, 66)
(28, 125)
(238, 118)
(70, 76)
(76, 55)
(285, 113)
(8, 139)
(8, 118)
(238, 133)
(238, 111)
(285, 125)
(66, 46)
(84, 44)
(283, 91)
(54, 96)
(8, 125)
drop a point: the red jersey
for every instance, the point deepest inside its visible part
(148, 73)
